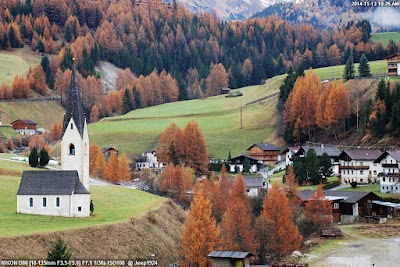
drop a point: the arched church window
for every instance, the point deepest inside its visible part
(72, 126)
(71, 149)
(57, 202)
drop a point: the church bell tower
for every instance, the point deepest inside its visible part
(75, 138)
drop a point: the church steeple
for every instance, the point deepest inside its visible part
(74, 108)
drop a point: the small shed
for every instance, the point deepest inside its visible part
(223, 258)
(225, 90)
(108, 151)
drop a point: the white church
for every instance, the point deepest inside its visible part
(65, 192)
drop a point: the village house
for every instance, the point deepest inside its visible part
(66, 192)
(108, 151)
(239, 163)
(224, 258)
(288, 154)
(254, 184)
(389, 177)
(148, 160)
(332, 151)
(393, 64)
(268, 153)
(359, 165)
(24, 126)
(347, 206)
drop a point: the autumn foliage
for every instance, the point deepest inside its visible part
(200, 233)
(187, 146)
(283, 235)
(319, 210)
(176, 180)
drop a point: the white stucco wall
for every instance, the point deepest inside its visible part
(82, 201)
(252, 192)
(360, 176)
(79, 161)
(68, 205)
(50, 209)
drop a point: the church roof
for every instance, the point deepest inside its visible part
(74, 108)
(51, 183)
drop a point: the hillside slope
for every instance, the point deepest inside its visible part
(155, 233)
(219, 119)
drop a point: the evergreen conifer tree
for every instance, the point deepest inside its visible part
(349, 69)
(33, 158)
(44, 157)
(363, 67)
(59, 251)
(325, 166)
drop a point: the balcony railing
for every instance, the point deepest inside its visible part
(390, 165)
(353, 167)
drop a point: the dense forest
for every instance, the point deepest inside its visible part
(161, 43)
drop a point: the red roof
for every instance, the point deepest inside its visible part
(29, 122)
(390, 56)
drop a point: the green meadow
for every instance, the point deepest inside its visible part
(384, 37)
(377, 67)
(112, 204)
(218, 117)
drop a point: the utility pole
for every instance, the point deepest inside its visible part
(241, 116)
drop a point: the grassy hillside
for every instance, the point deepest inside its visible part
(219, 119)
(43, 113)
(112, 204)
(157, 233)
(378, 67)
(16, 62)
(384, 37)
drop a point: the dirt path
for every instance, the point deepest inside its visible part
(359, 249)
(365, 252)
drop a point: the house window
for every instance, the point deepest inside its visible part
(361, 180)
(361, 172)
(383, 179)
(31, 202)
(57, 202)
(352, 172)
(44, 202)
(375, 172)
(79, 209)
(336, 205)
(71, 149)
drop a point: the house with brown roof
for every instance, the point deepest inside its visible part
(389, 177)
(346, 204)
(358, 165)
(393, 64)
(24, 126)
(268, 153)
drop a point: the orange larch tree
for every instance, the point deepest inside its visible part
(20, 87)
(236, 224)
(217, 79)
(277, 217)
(124, 172)
(94, 152)
(111, 172)
(100, 166)
(200, 233)
(56, 130)
(318, 209)
(171, 134)
(195, 148)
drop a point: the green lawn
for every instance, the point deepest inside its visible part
(218, 117)
(112, 204)
(384, 37)
(277, 178)
(378, 67)
(11, 65)
(371, 188)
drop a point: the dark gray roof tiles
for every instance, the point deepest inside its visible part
(74, 108)
(229, 254)
(266, 147)
(51, 183)
(362, 154)
(394, 153)
(350, 197)
(253, 181)
(332, 151)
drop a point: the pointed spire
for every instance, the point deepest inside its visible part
(74, 108)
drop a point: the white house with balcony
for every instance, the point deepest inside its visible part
(389, 177)
(358, 165)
